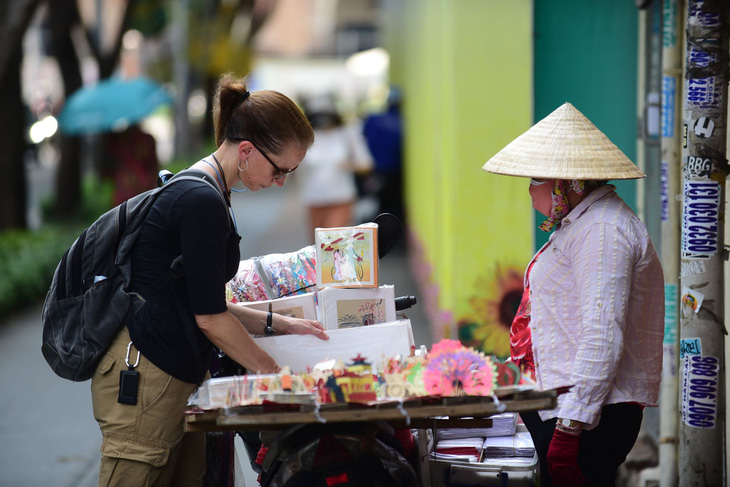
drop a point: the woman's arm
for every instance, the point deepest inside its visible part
(255, 321)
(226, 332)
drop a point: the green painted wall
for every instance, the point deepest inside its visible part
(466, 72)
(586, 53)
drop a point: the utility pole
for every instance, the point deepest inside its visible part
(704, 170)
(671, 175)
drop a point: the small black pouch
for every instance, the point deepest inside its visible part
(128, 386)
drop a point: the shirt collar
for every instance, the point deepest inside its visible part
(592, 197)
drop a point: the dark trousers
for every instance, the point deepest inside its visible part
(602, 449)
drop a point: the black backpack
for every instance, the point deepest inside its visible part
(88, 301)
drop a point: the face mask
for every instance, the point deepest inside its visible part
(541, 192)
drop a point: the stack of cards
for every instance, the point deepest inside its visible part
(466, 449)
(273, 276)
(502, 425)
(518, 445)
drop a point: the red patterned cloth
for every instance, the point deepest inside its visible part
(520, 337)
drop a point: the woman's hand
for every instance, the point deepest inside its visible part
(563, 459)
(286, 325)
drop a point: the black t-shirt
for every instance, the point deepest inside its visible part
(187, 219)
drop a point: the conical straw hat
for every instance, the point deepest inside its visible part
(563, 145)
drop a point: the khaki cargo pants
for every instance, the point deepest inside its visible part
(144, 445)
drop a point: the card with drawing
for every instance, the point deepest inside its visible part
(348, 308)
(347, 256)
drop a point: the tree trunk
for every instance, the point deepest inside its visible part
(12, 167)
(63, 17)
(108, 61)
(14, 19)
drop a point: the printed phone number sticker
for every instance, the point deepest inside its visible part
(703, 93)
(699, 391)
(700, 219)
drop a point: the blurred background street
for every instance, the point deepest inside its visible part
(434, 87)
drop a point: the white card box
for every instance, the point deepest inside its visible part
(375, 343)
(298, 306)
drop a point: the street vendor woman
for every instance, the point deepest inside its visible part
(592, 314)
(261, 137)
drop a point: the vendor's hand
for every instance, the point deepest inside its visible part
(287, 325)
(563, 459)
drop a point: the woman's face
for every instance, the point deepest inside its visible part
(541, 191)
(264, 170)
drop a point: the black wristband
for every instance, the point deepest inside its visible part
(269, 330)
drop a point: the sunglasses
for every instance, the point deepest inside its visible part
(535, 182)
(278, 172)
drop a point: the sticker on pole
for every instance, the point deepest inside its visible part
(704, 94)
(697, 167)
(699, 391)
(692, 299)
(700, 219)
(704, 127)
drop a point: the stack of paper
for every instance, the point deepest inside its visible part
(469, 448)
(502, 425)
(518, 445)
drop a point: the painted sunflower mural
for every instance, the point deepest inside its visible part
(496, 298)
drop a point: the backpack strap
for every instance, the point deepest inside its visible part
(177, 270)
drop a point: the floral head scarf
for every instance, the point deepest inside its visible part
(561, 206)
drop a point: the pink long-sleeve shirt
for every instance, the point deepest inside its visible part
(597, 296)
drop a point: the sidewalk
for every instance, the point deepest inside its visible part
(48, 434)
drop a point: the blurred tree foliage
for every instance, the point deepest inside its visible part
(219, 40)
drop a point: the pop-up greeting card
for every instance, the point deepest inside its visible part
(347, 256)
(455, 370)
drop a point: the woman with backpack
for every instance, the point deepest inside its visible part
(141, 385)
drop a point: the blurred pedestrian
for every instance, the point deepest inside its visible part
(339, 152)
(130, 162)
(384, 135)
(261, 137)
(592, 313)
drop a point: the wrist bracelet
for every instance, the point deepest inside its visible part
(269, 329)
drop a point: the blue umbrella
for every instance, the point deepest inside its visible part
(111, 103)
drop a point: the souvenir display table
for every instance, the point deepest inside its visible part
(417, 413)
